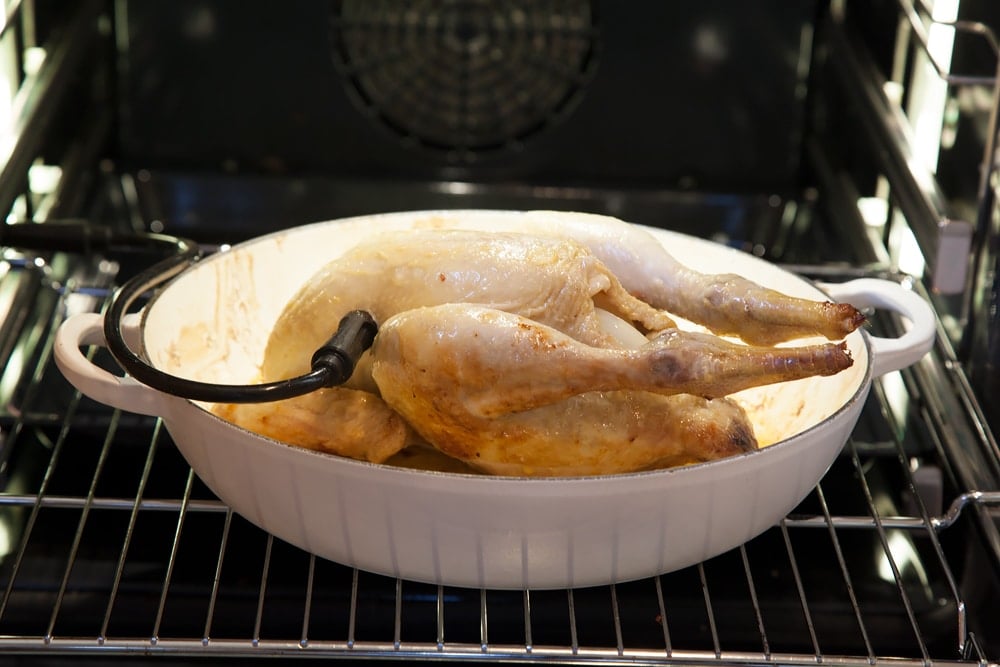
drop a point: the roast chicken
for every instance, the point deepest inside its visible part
(523, 352)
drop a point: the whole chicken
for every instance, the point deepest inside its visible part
(520, 354)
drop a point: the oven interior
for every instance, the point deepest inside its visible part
(840, 139)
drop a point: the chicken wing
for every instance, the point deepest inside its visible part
(346, 422)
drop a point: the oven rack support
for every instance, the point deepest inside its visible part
(912, 16)
(944, 240)
(227, 648)
(986, 34)
(984, 499)
(937, 523)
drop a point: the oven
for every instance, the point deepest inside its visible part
(837, 138)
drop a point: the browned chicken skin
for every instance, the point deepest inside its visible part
(347, 422)
(498, 362)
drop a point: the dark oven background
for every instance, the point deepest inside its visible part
(370, 106)
(567, 92)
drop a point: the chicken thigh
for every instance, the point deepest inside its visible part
(517, 354)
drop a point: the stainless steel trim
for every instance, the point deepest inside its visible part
(40, 96)
(416, 651)
(945, 241)
(912, 16)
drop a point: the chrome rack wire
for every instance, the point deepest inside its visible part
(111, 545)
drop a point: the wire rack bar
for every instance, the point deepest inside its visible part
(752, 590)
(574, 643)
(800, 589)
(884, 539)
(416, 652)
(214, 595)
(308, 600)
(938, 523)
(662, 617)
(57, 449)
(263, 590)
(845, 573)
(172, 559)
(528, 643)
(130, 531)
(78, 536)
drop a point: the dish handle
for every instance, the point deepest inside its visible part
(120, 392)
(891, 354)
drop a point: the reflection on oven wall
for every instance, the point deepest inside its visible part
(578, 91)
(938, 61)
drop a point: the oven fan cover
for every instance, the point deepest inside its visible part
(465, 77)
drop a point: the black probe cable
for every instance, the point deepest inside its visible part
(332, 364)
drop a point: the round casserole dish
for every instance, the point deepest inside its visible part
(212, 321)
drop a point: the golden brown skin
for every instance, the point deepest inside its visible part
(500, 362)
(731, 305)
(588, 434)
(346, 422)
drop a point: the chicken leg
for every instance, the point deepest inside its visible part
(500, 362)
(727, 304)
(509, 396)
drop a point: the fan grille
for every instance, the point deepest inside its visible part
(465, 76)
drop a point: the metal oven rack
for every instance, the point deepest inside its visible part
(112, 545)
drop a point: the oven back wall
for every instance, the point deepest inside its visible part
(702, 95)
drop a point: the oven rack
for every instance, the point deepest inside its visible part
(438, 647)
(161, 580)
